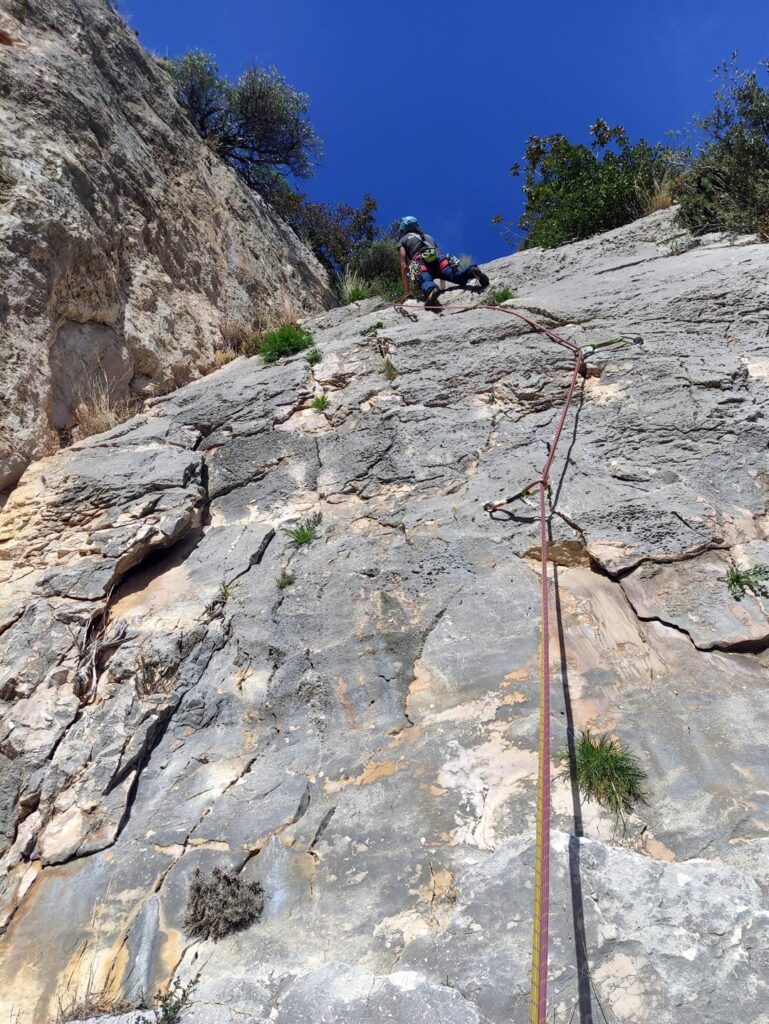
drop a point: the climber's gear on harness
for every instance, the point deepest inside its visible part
(422, 262)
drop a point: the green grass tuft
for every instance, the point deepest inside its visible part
(319, 403)
(314, 355)
(305, 532)
(498, 295)
(285, 579)
(388, 369)
(367, 332)
(607, 774)
(285, 341)
(740, 580)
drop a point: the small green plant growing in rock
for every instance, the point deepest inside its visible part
(607, 774)
(499, 295)
(169, 1004)
(367, 332)
(219, 600)
(739, 580)
(285, 579)
(319, 403)
(305, 532)
(388, 369)
(314, 356)
(285, 341)
(221, 904)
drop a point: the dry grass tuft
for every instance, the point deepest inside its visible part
(659, 197)
(221, 903)
(351, 287)
(93, 1004)
(85, 1003)
(99, 409)
(234, 334)
(223, 356)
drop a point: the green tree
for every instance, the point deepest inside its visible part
(573, 191)
(259, 124)
(335, 233)
(726, 187)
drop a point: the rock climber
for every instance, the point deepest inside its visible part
(422, 264)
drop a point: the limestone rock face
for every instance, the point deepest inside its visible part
(362, 739)
(125, 245)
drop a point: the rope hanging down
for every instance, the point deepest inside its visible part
(541, 913)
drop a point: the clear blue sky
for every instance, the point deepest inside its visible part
(426, 105)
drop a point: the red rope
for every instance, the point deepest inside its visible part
(541, 914)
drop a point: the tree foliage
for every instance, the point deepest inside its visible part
(726, 187)
(259, 125)
(334, 233)
(573, 191)
(259, 122)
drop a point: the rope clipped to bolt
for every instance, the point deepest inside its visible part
(541, 911)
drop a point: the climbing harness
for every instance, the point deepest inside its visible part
(541, 913)
(424, 261)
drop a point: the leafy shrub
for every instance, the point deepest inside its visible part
(378, 263)
(726, 187)
(319, 403)
(285, 341)
(607, 774)
(305, 532)
(221, 903)
(573, 191)
(314, 356)
(740, 580)
(335, 233)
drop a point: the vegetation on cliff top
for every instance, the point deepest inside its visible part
(260, 126)
(720, 177)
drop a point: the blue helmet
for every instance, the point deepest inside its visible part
(407, 224)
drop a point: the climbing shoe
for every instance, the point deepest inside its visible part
(431, 299)
(480, 277)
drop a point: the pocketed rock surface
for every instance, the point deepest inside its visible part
(363, 741)
(128, 251)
